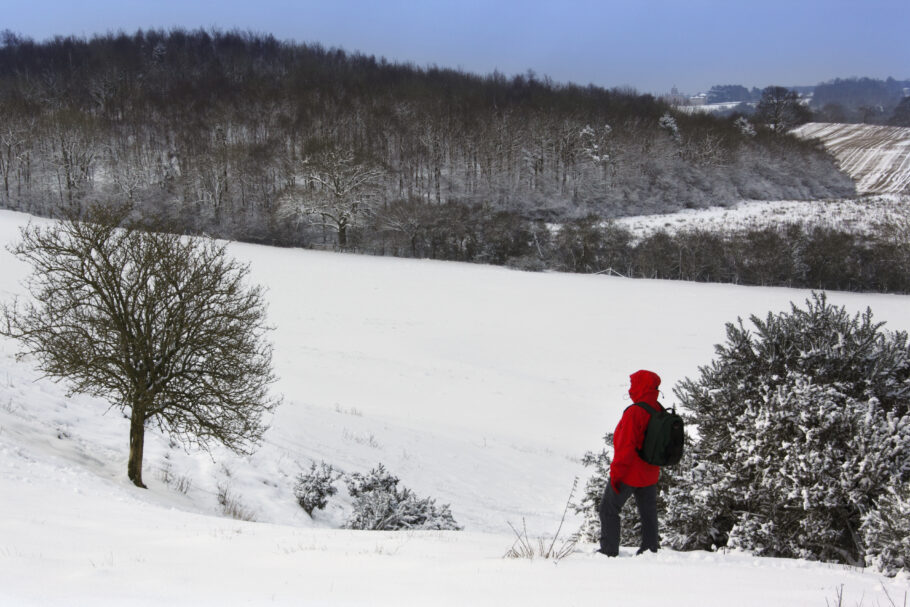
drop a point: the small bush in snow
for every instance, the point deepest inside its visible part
(668, 123)
(313, 488)
(744, 126)
(379, 504)
(803, 424)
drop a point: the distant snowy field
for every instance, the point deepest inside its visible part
(479, 386)
(876, 157)
(860, 215)
(709, 108)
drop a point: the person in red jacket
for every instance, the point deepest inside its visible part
(629, 474)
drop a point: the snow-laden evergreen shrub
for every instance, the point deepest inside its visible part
(802, 423)
(314, 488)
(377, 480)
(668, 123)
(820, 458)
(886, 532)
(745, 127)
(379, 504)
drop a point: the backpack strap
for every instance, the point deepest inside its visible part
(646, 407)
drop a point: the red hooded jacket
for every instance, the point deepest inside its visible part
(627, 467)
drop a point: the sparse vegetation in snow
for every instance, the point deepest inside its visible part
(314, 488)
(380, 504)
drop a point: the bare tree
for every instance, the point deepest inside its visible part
(160, 325)
(342, 190)
(409, 218)
(781, 109)
(15, 135)
(74, 159)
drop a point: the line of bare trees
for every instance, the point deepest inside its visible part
(794, 255)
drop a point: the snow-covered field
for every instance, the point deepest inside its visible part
(479, 386)
(709, 108)
(876, 157)
(862, 215)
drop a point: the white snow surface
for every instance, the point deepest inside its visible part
(877, 158)
(479, 386)
(860, 215)
(710, 108)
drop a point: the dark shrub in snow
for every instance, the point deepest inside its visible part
(313, 488)
(379, 504)
(803, 427)
(377, 480)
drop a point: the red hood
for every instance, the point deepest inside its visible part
(644, 387)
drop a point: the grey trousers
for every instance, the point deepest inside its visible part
(611, 504)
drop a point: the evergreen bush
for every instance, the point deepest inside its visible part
(803, 426)
(379, 504)
(313, 488)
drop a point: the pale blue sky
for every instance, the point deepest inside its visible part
(651, 45)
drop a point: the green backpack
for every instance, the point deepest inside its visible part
(665, 437)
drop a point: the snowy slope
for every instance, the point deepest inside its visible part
(861, 215)
(876, 157)
(477, 385)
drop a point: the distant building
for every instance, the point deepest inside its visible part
(676, 98)
(699, 99)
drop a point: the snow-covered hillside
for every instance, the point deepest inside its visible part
(876, 157)
(476, 385)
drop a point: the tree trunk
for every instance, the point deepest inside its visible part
(342, 236)
(137, 441)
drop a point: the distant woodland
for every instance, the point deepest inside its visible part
(862, 100)
(847, 100)
(249, 137)
(245, 137)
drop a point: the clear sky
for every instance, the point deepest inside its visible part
(650, 45)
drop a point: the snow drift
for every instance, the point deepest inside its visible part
(479, 386)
